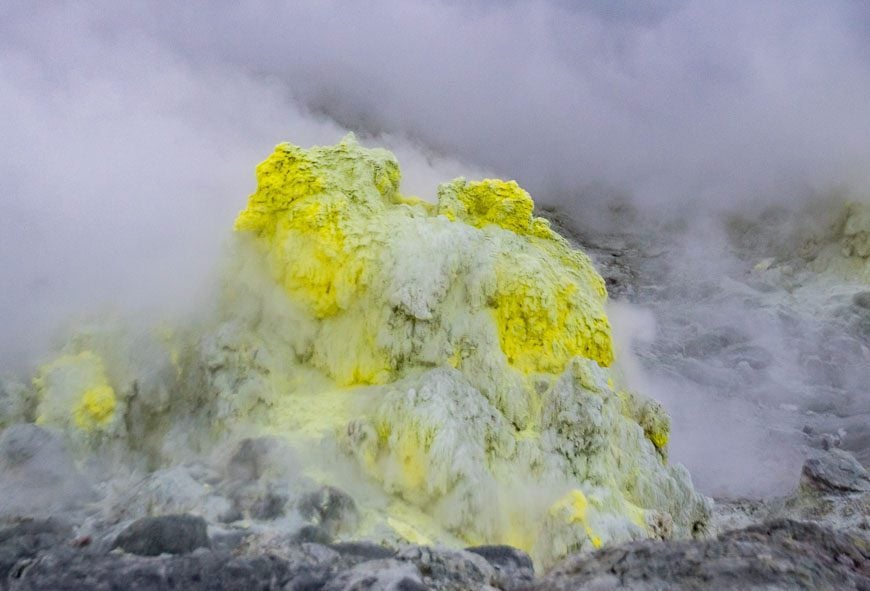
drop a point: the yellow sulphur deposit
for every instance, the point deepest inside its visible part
(446, 362)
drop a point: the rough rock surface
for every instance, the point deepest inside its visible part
(781, 554)
(76, 570)
(294, 567)
(513, 567)
(26, 539)
(777, 555)
(833, 492)
(166, 534)
(330, 509)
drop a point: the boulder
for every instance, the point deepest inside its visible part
(166, 534)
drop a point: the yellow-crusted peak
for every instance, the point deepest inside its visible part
(333, 224)
(74, 389)
(491, 202)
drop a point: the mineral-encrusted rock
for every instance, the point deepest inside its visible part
(453, 355)
(166, 534)
(776, 555)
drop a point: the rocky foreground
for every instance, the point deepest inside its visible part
(828, 549)
(781, 554)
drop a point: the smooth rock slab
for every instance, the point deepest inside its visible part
(167, 534)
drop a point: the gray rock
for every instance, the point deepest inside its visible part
(853, 433)
(313, 565)
(444, 569)
(312, 534)
(166, 534)
(227, 540)
(815, 500)
(711, 343)
(25, 539)
(270, 506)
(513, 567)
(250, 459)
(862, 300)
(329, 508)
(379, 575)
(363, 550)
(757, 358)
(68, 569)
(37, 473)
(835, 470)
(777, 555)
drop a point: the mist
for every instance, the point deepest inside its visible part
(130, 133)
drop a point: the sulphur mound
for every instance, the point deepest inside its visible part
(346, 246)
(452, 355)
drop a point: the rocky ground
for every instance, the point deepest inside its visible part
(817, 538)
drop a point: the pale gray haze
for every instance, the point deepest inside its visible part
(130, 131)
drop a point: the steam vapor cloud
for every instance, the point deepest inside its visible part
(130, 130)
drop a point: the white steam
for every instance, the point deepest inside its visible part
(130, 131)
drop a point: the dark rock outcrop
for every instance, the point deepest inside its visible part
(781, 554)
(777, 555)
(23, 541)
(71, 570)
(513, 567)
(166, 534)
(330, 509)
